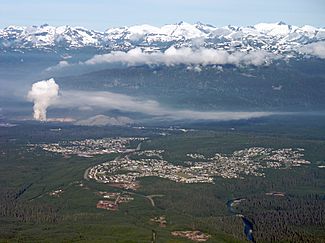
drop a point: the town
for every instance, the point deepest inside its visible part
(91, 147)
(133, 163)
(124, 171)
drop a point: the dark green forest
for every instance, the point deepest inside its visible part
(29, 214)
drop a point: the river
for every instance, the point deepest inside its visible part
(248, 225)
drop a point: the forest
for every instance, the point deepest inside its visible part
(287, 205)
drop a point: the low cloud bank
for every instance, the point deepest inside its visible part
(110, 101)
(173, 56)
(89, 100)
(185, 55)
(43, 94)
(46, 93)
(102, 120)
(315, 49)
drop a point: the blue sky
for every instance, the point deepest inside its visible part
(101, 14)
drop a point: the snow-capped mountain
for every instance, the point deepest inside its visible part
(273, 37)
(46, 36)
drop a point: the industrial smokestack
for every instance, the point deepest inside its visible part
(43, 93)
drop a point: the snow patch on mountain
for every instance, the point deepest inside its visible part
(276, 38)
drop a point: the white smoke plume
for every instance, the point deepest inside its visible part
(43, 94)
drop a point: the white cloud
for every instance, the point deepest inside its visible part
(102, 120)
(112, 101)
(172, 56)
(46, 93)
(104, 100)
(315, 49)
(63, 63)
(185, 55)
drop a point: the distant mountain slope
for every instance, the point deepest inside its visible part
(273, 37)
(281, 86)
(159, 69)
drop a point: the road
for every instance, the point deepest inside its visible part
(151, 197)
(117, 158)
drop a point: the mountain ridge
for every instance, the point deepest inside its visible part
(273, 37)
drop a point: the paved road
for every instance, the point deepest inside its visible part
(151, 197)
(86, 173)
(117, 158)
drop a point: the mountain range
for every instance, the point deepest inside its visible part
(268, 67)
(278, 38)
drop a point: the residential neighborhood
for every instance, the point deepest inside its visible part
(91, 147)
(125, 171)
